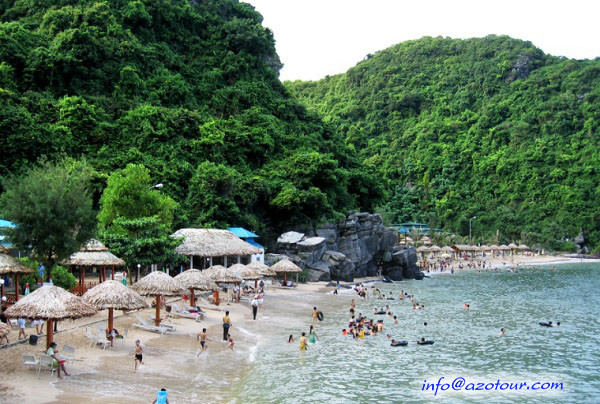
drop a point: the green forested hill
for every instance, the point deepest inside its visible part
(188, 88)
(489, 127)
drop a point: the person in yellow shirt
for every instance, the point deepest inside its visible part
(361, 333)
(226, 326)
(303, 342)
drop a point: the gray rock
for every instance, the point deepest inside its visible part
(291, 237)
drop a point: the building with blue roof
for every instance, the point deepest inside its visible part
(5, 224)
(249, 237)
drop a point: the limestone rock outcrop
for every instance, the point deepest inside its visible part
(360, 245)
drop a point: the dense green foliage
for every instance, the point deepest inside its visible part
(178, 86)
(61, 277)
(52, 208)
(488, 127)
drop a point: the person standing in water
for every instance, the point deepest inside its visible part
(502, 332)
(254, 304)
(226, 325)
(312, 336)
(161, 397)
(315, 315)
(303, 342)
(202, 338)
(139, 351)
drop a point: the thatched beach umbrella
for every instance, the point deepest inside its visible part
(220, 274)
(285, 266)
(113, 295)
(158, 284)
(447, 249)
(194, 279)
(246, 273)
(435, 248)
(12, 266)
(51, 303)
(262, 269)
(423, 249)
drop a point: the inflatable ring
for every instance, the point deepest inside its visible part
(380, 312)
(399, 343)
(545, 324)
(425, 343)
(320, 316)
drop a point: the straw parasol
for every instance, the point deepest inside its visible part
(423, 249)
(285, 266)
(158, 284)
(512, 246)
(523, 247)
(435, 248)
(194, 279)
(262, 269)
(113, 295)
(50, 303)
(447, 249)
(220, 274)
(445, 255)
(247, 274)
(10, 265)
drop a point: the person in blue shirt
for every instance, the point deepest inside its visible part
(161, 397)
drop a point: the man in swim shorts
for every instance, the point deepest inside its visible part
(138, 354)
(202, 338)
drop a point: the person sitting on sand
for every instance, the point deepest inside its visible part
(139, 351)
(58, 363)
(502, 332)
(303, 342)
(161, 397)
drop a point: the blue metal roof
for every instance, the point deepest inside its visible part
(242, 233)
(254, 243)
(6, 223)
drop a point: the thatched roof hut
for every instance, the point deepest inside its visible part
(94, 253)
(220, 274)
(523, 247)
(285, 266)
(447, 249)
(262, 269)
(504, 247)
(247, 274)
(212, 243)
(10, 265)
(435, 248)
(512, 246)
(50, 303)
(423, 249)
(114, 295)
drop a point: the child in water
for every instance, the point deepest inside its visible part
(303, 342)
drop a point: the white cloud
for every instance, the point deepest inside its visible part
(316, 38)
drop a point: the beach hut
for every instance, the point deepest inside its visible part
(113, 295)
(158, 284)
(221, 275)
(504, 249)
(211, 244)
(286, 266)
(93, 254)
(494, 249)
(434, 249)
(522, 248)
(513, 247)
(12, 266)
(194, 279)
(50, 303)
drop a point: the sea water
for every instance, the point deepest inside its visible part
(342, 369)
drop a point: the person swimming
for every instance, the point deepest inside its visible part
(398, 343)
(502, 332)
(422, 341)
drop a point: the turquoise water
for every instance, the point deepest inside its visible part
(340, 369)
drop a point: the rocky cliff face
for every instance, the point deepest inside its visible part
(358, 246)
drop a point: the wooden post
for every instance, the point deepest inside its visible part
(192, 297)
(285, 279)
(157, 319)
(16, 287)
(49, 332)
(110, 325)
(225, 261)
(191, 261)
(83, 279)
(2, 292)
(112, 274)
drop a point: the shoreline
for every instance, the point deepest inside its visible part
(168, 356)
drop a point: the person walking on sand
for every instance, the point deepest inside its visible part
(202, 338)
(254, 304)
(139, 351)
(226, 325)
(21, 322)
(161, 397)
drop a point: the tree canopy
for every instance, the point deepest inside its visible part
(176, 86)
(489, 127)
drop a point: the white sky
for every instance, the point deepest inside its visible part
(315, 38)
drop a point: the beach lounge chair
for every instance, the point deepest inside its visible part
(169, 327)
(14, 323)
(178, 312)
(144, 325)
(29, 360)
(196, 309)
(47, 362)
(96, 339)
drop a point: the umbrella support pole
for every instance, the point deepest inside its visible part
(16, 287)
(110, 325)
(157, 319)
(49, 332)
(192, 298)
(285, 279)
